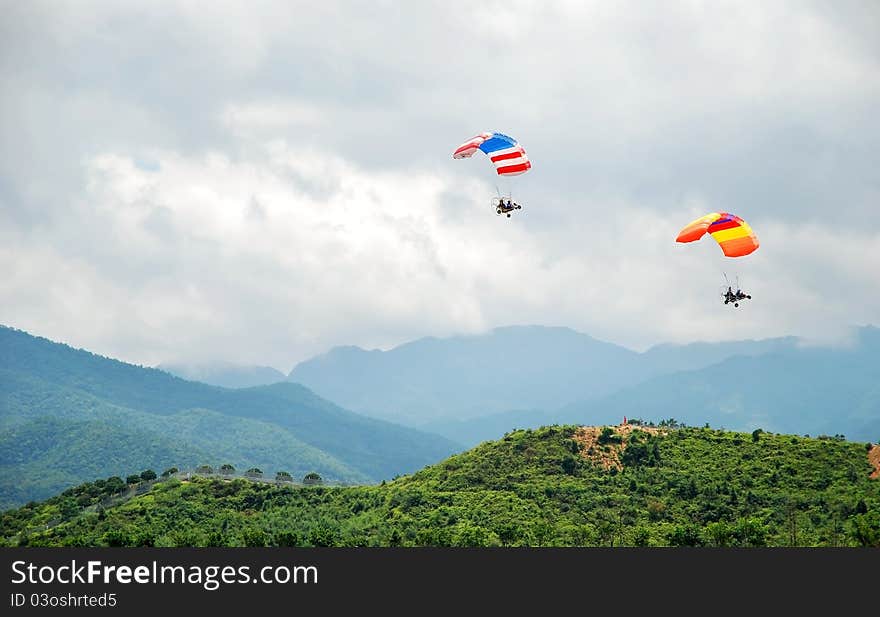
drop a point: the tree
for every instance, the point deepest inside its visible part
(395, 538)
(312, 479)
(641, 536)
(254, 537)
(204, 469)
(719, 533)
(68, 508)
(635, 454)
(605, 530)
(114, 485)
(323, 534)
(287, 538)
(470, 535)
(688, 490)
(170, 472)
(117, 537)
(226, 469)
(756, 434)
(866, 529)
(254, 472)
(132, 479)
(283, 476)
(750, 532)
(685, 535)
(656, 509)
(791, 523)
(147, 475)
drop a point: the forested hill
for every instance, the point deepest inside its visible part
(554, 486)
(68, 415)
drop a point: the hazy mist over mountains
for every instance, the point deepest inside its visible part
(472, 388)
(225, 374)
(469, 376)
(779, 386)
(520, 367)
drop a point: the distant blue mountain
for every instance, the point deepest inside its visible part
(432, 381)
(777, 385)
(669, 358)
(225, 374)
(793, 389)
(468, 376)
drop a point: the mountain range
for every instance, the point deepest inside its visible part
(474, 388)
(225, 374)
(68, 415)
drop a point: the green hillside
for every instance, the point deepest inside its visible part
(53, 437)
(554, 486)
(47, 455)
(67, 416)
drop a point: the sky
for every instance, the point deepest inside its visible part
(261, 181)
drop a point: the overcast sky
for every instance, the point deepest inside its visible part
(262, 182)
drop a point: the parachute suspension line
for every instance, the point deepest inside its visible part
(727, 280)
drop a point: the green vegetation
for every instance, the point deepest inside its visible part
(686, 487)
(68, 415)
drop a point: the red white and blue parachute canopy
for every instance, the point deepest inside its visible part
(509, 157)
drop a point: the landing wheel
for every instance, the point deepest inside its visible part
(508, 216)
(736, 303)
(498, 210)
(749, 297)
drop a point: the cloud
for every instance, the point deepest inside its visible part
(268, 118)
(259, 184)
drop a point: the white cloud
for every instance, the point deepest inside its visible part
(257, 184)
(270, 117)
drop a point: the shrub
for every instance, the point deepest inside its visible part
(608, 436)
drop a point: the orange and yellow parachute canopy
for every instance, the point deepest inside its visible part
(733, 234)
